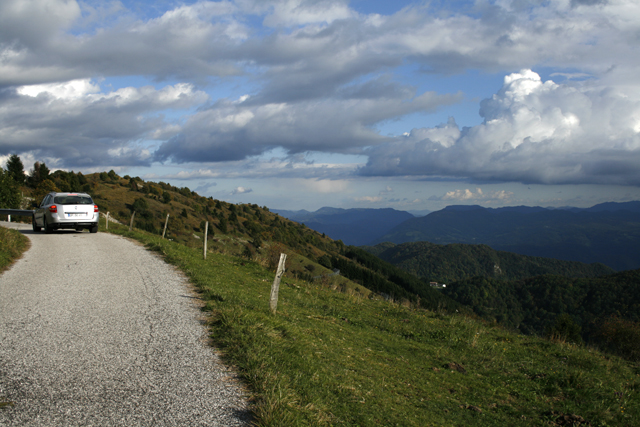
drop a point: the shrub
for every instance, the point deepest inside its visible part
(248, 252)
(9, 192)
(621, 337)
(565, 329)
(140, 205)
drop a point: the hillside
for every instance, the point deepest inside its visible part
(333, 358)
(452, 262)
(608, 234)
(531, 305)
(353, 226)
(250, 231)
(337, 354)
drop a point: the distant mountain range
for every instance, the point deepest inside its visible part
(355, 227)
(608, 233)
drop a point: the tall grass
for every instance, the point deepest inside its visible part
(331, 358)
(12, 245)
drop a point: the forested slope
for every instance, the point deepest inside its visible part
(448, 263)
(532, 305)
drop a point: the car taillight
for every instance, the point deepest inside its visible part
(53, 209)
(95, 208)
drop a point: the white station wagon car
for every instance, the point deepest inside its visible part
(66, 210)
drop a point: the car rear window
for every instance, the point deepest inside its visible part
(73, 200)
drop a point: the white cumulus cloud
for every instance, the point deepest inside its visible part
(241, 190)
(533, 132)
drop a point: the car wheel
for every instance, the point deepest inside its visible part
(46, 227)
(94, 229)
(34, 225)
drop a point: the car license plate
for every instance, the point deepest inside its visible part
(69, 215)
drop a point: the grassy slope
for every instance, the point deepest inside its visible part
(12, 245)
(331, 358)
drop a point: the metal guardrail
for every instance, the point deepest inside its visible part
(16, 212)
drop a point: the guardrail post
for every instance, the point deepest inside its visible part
(273, 302)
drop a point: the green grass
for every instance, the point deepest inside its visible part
(332, 358)
(12, 245)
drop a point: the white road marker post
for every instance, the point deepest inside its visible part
(131, 223)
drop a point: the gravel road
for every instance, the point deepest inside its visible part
(97, 331)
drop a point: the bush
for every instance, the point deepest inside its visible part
(248, 252)
(565, 329)
(621, 337)
(9, 192)
(140, 205)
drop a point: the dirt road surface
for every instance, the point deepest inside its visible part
(97, 331)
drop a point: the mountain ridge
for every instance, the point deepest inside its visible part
(457, 261)
(608, 233)
(355, 226)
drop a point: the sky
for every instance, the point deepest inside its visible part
(300, 104)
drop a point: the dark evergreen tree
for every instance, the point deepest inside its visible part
(15, 168)
(39, 174)
(9, 193)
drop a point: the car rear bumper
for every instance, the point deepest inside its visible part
(72, 225)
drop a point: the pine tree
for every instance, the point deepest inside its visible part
(39, 173)
(9, 193)
(15, 168)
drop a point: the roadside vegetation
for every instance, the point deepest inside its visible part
(12, 245)
(357, 341)
(333, 355)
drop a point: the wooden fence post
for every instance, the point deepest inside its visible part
(206, 229)
(106, 223)
(131, 223)
(166, 221)
(273, 302)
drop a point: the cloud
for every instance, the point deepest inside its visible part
(231, 130)
(29, 23)
(241, 190)
(290, 167)
(323, 186)
(301, 12)
(478, 195)
(533, 132)
(322, 78)
(75, 124)
(308, 47)
(370, 199)
(387, 190)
